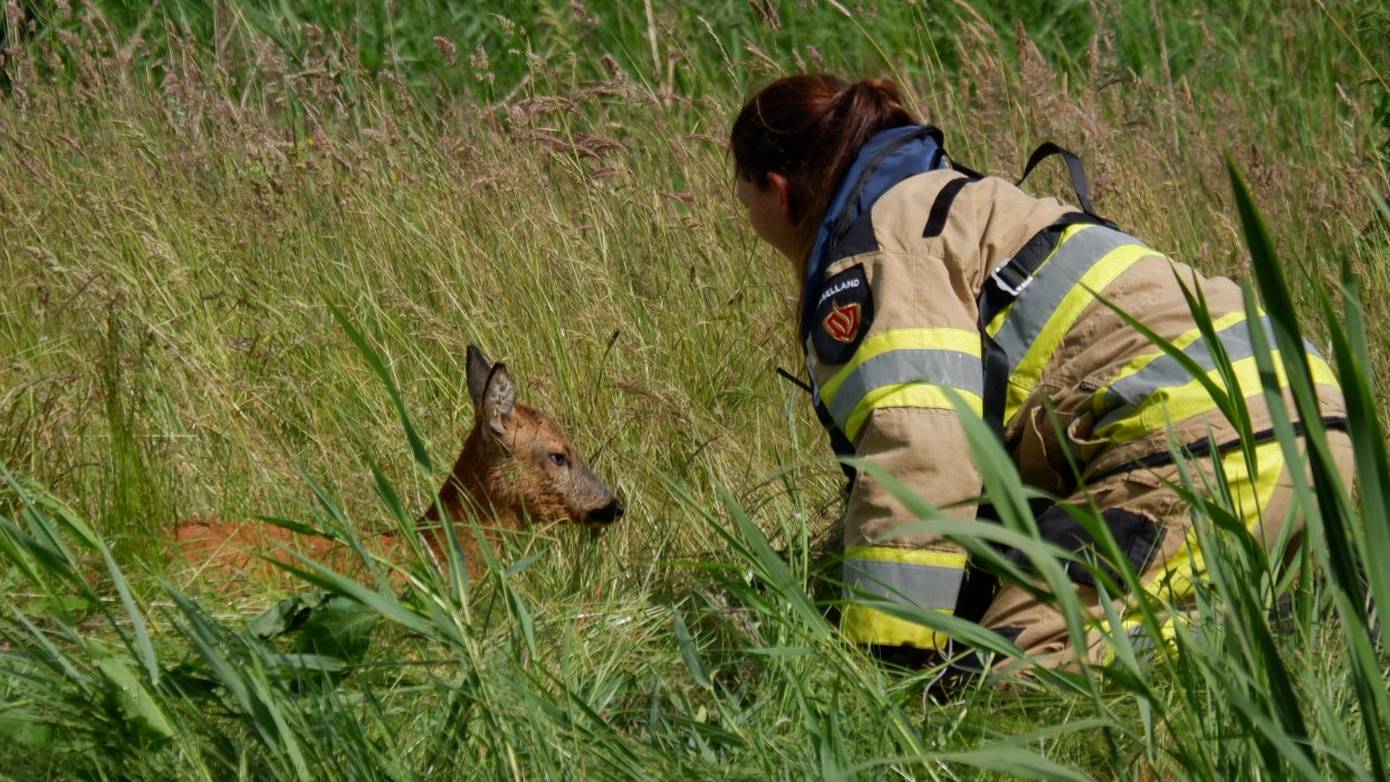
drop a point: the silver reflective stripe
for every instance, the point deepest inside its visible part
(1166, 372)
(926, 586)
(1054, 279)
(1142, 643)
(1145, 645)
(939, 367)
(1128, 393)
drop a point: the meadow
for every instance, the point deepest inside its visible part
(243, 249)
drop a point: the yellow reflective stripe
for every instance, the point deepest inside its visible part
(958, 340)
(993, 327)
(1139, 638)
(1249, 498)
(1178, 403)
(1322, 372)
(925, 579)
(1174, 579)
(905, 395)
(1318, 367)
(1025, 375)
(908, 556)
(1181, 342)
(861, 624)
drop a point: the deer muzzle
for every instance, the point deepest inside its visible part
(606, 515)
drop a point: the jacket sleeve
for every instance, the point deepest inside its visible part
(887, 394)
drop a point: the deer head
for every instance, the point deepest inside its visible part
(517, 464)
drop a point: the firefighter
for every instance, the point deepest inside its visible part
(919, 275)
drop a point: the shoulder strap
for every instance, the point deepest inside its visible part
(1010, 278)
(941, 206)
(1074, 167)
(956, 165)
(1001, 288)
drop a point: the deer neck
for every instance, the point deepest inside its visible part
(471, 490)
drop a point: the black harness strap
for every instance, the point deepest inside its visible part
(839, 441)
(1002, 288)
(941, 207)
(794, 380)
(956, 165)
(1206, 446)
(1074, 167)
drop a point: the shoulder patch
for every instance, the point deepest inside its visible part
(844, 313)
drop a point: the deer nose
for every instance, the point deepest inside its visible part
(608, 513)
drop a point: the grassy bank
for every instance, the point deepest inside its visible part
(177, 216)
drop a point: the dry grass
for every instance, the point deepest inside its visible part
(176, 233)
(171, 234)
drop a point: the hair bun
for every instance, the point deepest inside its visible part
(881, 90)
(882, 85)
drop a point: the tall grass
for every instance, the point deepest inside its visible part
(241, 270)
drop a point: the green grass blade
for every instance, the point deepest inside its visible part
(136, 702)
(384, 603)
(417, 445)
(1367, 433)
(1330, 521)
(689, 652)
(144, 648)
(1014, 761)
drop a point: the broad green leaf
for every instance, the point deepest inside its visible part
(689, 652)
(135, 702)
(144, 648)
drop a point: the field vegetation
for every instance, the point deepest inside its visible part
(243, 248)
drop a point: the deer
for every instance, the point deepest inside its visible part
(517, 468)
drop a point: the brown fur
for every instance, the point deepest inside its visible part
(516, 466)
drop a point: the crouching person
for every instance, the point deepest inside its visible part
(918, 275)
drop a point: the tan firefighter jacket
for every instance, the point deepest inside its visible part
(891, 318)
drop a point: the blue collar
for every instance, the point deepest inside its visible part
(886, 159)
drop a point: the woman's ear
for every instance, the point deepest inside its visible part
(784, 195)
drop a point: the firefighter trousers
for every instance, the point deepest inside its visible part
(1153, 524)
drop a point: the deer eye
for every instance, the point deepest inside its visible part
(559, 459)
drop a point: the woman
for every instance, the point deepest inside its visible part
(919, 276)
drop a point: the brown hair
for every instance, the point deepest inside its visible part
(809, 128)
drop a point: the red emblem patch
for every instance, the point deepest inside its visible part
(843, 322)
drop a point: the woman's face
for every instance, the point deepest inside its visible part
(769, 211)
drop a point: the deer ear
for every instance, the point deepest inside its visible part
(478, 370)
(498, 400)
